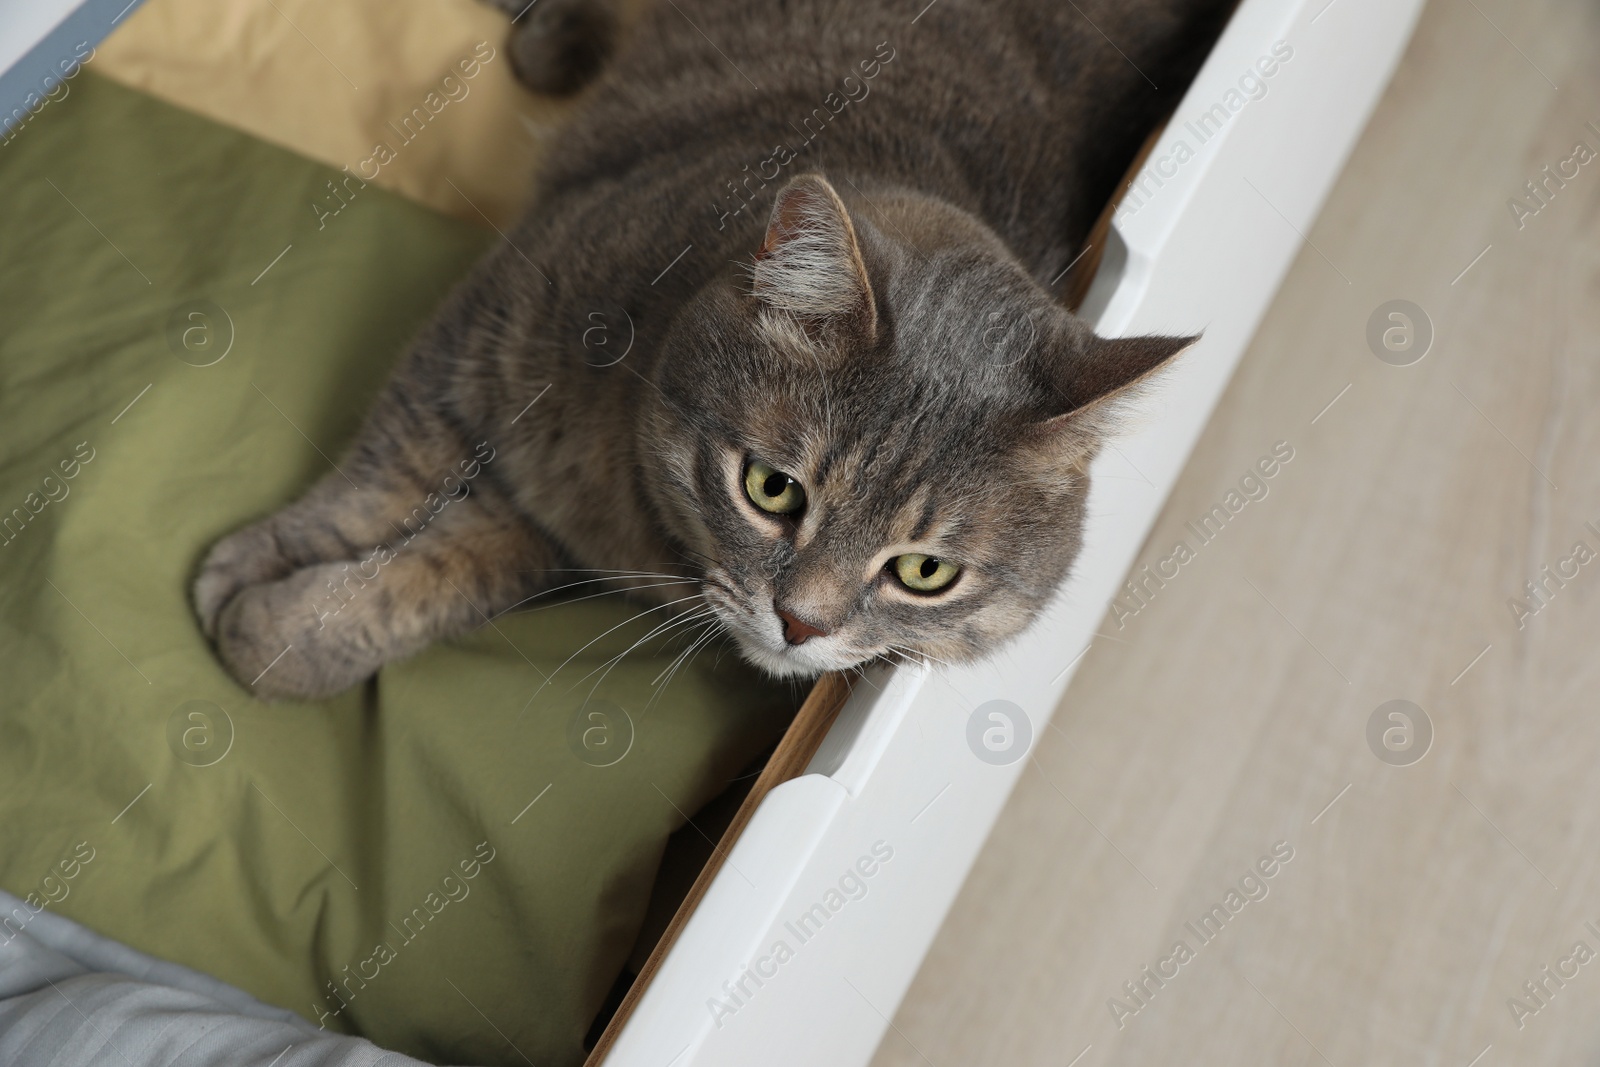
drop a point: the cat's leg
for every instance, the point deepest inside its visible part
(326, 626)
(558, 46)
(409, 541)
(334, 521)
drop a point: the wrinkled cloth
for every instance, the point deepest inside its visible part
(192, 325)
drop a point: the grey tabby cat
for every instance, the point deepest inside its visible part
(776, 339)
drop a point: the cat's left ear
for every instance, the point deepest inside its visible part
(1093, 388)
(810, 264)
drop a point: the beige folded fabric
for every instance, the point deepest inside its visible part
(416, 96)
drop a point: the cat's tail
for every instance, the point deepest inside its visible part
(559, 46)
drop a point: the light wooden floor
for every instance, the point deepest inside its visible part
(1232, 712)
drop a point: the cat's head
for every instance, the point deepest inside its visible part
(876, 442)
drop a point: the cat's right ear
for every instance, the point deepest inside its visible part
(1093, 388)
(810, 266)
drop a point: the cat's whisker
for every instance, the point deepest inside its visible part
(658, 693)
(861, 674)
(914, 658)
(602, 576)
(913, 653)
(605, 576)
(684, 659)
(699, 632)
(552, 592)
(589, 596)
(598, 570)
(687, 617)
(607, 633)
(603, 570)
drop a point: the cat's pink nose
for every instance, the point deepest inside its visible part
(795, 629)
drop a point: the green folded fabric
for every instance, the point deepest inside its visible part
(453, 861)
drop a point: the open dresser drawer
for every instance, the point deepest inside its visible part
(851, 865)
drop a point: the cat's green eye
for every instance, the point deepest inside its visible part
(773, 491)
(923, 574)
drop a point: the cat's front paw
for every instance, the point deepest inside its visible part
(280, 640)
(247, 557)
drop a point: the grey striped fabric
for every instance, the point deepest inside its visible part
(71, 998)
